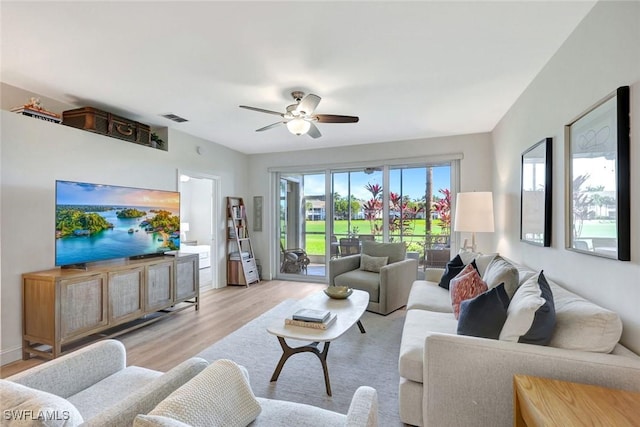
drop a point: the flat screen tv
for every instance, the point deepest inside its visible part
(96, 222)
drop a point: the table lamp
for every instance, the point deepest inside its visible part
(184, 227)
(474, 213)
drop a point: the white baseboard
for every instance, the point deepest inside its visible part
(10, 355)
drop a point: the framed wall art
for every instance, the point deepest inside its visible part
(535, 194)
(597, 179)
(257, 213)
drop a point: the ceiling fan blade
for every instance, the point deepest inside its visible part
(333, 118)
(262, 110)
(314, 132)
(308, 104)
(272, 125)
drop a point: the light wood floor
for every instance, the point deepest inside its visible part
(164, 344)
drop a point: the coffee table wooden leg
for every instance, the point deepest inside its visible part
(362, 331)
(288, 351)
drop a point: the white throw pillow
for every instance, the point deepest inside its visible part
(36, 407)
(531, 316)
(582, 325)
(219, 396)
(502, 271)
(372, 263)
(522, 310)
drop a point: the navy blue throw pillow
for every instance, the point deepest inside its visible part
(544, 320)
(452, 269)
(484, 315)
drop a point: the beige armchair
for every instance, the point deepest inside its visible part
(389, 287)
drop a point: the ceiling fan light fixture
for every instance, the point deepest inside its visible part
(298, 126)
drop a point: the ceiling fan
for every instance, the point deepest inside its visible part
(299, 117)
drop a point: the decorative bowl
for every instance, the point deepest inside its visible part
(338, 292)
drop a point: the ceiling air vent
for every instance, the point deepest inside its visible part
(174, 117)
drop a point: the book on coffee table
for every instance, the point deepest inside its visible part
(314, 325)
(311, 315)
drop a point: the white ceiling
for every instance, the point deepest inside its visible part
(408, 69)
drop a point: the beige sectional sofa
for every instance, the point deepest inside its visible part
(457, 380)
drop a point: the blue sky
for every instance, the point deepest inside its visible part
(413, 182)
(80, 193)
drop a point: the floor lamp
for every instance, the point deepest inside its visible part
(474, 213)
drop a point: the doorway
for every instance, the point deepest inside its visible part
(199, 207)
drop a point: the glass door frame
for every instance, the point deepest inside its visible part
(452, 159)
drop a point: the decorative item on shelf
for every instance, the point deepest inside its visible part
(34, 108)
(156, 141)
(338, 292)
(105, 123)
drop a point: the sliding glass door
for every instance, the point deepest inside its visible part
(302, 227)
(328, 214)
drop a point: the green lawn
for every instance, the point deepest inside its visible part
(599, 228)
(315, 238)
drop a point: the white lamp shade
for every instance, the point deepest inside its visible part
(298, 126)
(474, 212)
(184, 226)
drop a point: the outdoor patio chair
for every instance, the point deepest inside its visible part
(294, 260)
(436, 258)
(335, 247)
(349, 246)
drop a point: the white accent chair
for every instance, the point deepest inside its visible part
(92, 386)
(221, 396)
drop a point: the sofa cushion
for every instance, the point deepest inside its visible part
(582, 325)
(452, 269)
(55, 410)
(482, 260)
(484, 315)
(219, 396)
(112, 390)
(425, 295)
(395, 251)
(363, 280)
(468, 284)
(502, 271)
(373, 263)
(283, 413)
(531, 314)
(417, 325)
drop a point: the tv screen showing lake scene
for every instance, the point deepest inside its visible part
(97, 222)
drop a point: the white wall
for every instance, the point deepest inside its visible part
(602, 54)
(476, 171)
(36, 153)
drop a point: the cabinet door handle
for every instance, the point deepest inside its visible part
(128, 131)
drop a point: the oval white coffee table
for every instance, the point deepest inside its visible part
(348, 313)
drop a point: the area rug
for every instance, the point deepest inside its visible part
(354, 359)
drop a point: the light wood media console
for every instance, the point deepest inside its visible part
(64, 306)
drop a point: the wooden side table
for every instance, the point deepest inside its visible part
(546, 402)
